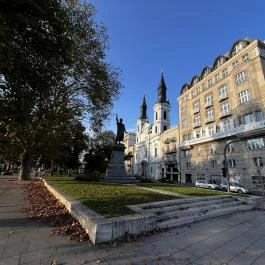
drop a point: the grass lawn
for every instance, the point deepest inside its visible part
(185, 190)
(109, 200)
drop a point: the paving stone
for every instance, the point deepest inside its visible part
(247, 256)
(14, 260)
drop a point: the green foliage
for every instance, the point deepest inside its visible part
(98, 153)
(52, 57)
(109, 200)
(92, 177)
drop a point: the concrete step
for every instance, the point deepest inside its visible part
(186, 206)
(197, 210)
(148, 206)
(174, 222)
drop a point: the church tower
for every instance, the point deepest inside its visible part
(143, 116)
(161, 109)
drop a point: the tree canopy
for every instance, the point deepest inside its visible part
(52, 57)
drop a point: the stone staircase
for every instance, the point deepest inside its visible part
(179, 212)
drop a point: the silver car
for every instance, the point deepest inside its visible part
(206, 185)
(234, 187)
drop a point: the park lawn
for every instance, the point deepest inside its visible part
(185, 190)
(109, 200)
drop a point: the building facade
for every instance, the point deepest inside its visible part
(221, 113)
(225, 102)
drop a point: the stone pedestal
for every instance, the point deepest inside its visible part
(116, 172)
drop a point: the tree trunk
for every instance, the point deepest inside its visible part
(25, 169)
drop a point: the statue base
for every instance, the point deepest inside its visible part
(116, 172)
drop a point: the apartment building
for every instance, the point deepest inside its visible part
(170, 154)
(224, 104)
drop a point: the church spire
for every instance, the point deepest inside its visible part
(143, 115)
(162, 90)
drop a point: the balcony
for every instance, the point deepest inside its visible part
(197, 124)
(224, 114)
(223, 97)
(208, 104)
(209, 119)
(242, 129)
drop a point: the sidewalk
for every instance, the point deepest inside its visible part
(231, 240)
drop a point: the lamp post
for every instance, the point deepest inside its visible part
(226, 164)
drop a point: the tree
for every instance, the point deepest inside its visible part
(99, 152)
(52, 55)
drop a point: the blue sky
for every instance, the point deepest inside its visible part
(173, 36)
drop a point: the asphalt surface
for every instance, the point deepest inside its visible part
(237, 239)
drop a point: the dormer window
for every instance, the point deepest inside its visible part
(238, 47)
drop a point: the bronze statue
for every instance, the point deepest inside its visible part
(120, 130)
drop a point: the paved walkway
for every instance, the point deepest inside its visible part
(237, 239)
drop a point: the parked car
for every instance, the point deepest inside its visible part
(206, 184)
(234, 187)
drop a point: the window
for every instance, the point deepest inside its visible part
(213, 149)
(211, 130)
(244, 96)
(225, 73)
(230, 148)
(186, 137)
(231, 162)
(241, 77)
(183, 110)
(235, 64)
(138, 128)
(258, 162)
(196, 106)
(213, 163)
(197, 120)
(225, 108)
(155, 151)
(199, 151)
(184, 123)
(240, 46)
(198, 134)
(223, 92)
(255, 144)
(155, 129)
(217, 77)
(187, 153)
(247, 118)
(209, 115)
(165, 115)
(156, 116)
(245, 57)
(258, 115)
(228, 125)
(165, 128)
(208, 100)
(188, 164)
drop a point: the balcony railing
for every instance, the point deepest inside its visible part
(208, 104)
(222, 134)
(209, 119)
(223, 96)
(197, 124)
(225, 113)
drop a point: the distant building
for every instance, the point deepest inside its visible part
(225, 102)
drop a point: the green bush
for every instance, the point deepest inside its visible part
(7, 173)
(93, 177)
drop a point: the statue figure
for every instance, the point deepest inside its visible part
(120, 130)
